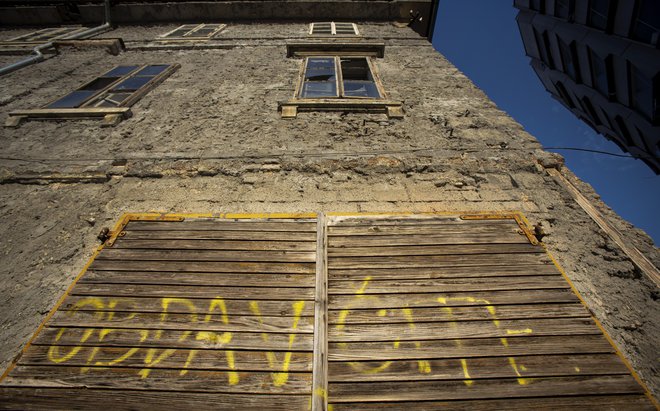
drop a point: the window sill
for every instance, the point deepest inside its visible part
(111, 115)
(290, 109)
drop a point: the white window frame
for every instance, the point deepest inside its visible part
(333, 29)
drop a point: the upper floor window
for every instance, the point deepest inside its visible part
(45, 35)
(569, 59)
(339, 77)
(109, 95)
(194, 32)
(564, 94)
(564, 8)
(601, 74)
(586, 103)
(538, 5)
(644, 93)
(599, 14)
(646, 26)
(543, 44)
(333, 29)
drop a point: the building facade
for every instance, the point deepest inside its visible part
(600, 59)
(221, 121)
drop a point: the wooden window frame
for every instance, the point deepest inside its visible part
(54, 33)
(339, 79)
(89, 107)
(189, 36)
(333, 29)
(382, 104)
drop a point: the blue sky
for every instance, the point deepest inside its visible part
(481, 38)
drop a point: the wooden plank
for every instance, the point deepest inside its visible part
(436, 261)
(71, 112)
(200, 306)
(639, 259)
(470, 348)
(171, 291)
(202, 279)
(206, 255)
(202, 266)
(439, 238)
(128, 400)
(632, 402)
(179, 359)
(224, 225)
(389, 301)
(417, 230)
(201, 244)
(416, 250)
(444, 272)
(182, 322)
(533, 366)
(319, 400)
(495, 388)
(501, 312)
(366, 286)
(117, 337)
(461, 329)
(158, 379)
(283, 236)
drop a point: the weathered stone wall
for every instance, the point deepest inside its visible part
(210, 139)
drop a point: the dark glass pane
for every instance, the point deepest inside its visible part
(319, 89)
(320, 69)
(562, 8)
(356, 69)
(599, 73)
(203, 32)
(120, 71)
(641, 89)
(598, 13)
(152, 70)
(625, 133)
(131, 84)
(567, 59)
(648, 20)
(99, 83)
(72, 100)
(586, 103)
(564, 94)
(360, 89)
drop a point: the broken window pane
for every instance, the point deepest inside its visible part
(99, 83)
(132, 83)
(358, 80)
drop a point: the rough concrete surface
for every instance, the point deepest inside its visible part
(210, 140)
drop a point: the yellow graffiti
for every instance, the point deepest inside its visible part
(280, 377)
(153, 357)
(217, 339)
(54, 353)
(493, 314)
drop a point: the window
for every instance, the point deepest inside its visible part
(644, 95)
(194, 32)
(333, 29)
(46, 35)
(564, 9)
(646, 27)
(586, 103)
(338, 77)
(599, 12)
(569, 59)
(601, 74)
(111, 94)
(625, 133)
(538, 5)
(543, 43)
(563, 93)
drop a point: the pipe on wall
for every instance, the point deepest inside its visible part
(37, 54)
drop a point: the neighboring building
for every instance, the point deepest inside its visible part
(363, 232)
(601, 59)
